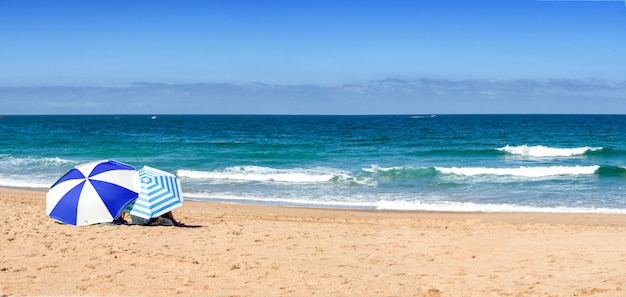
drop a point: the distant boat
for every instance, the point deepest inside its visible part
(153, 117)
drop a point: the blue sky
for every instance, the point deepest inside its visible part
(329, 57)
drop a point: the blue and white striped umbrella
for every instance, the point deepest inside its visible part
(160, 193)
(91, 193)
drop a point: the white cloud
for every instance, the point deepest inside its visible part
(388, 96)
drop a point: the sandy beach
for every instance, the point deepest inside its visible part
(242, 250)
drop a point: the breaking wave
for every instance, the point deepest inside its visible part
(522, 171)
(541, 151)
(267, 174)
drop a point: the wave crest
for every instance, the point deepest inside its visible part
(267, 174)
(401, 171)
(541, 151)
(9, 160)
(522, 171)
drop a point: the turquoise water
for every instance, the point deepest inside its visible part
(537, 163)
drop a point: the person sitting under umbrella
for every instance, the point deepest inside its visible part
(160, 193)
(166, 219)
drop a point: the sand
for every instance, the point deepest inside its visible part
(242, 250)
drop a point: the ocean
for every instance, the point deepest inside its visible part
(487, 163)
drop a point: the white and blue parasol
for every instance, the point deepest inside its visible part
(91, 193)
(160, 193)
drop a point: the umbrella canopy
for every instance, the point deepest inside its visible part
(160, 193)
(91, 193)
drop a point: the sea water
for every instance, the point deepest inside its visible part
(518, 163)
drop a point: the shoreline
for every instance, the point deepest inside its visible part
(259, 250)
(366, 209)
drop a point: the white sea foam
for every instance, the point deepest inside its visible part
(541, 151)
(522, 171)
(24, 182)
(476, 207)
(399, 169)
(266, 174)
(31, 172)
(396, 205)
(376, 168)
(9, 160)
(317, 202)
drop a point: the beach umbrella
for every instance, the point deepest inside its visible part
(91, 193)
(160, 192)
